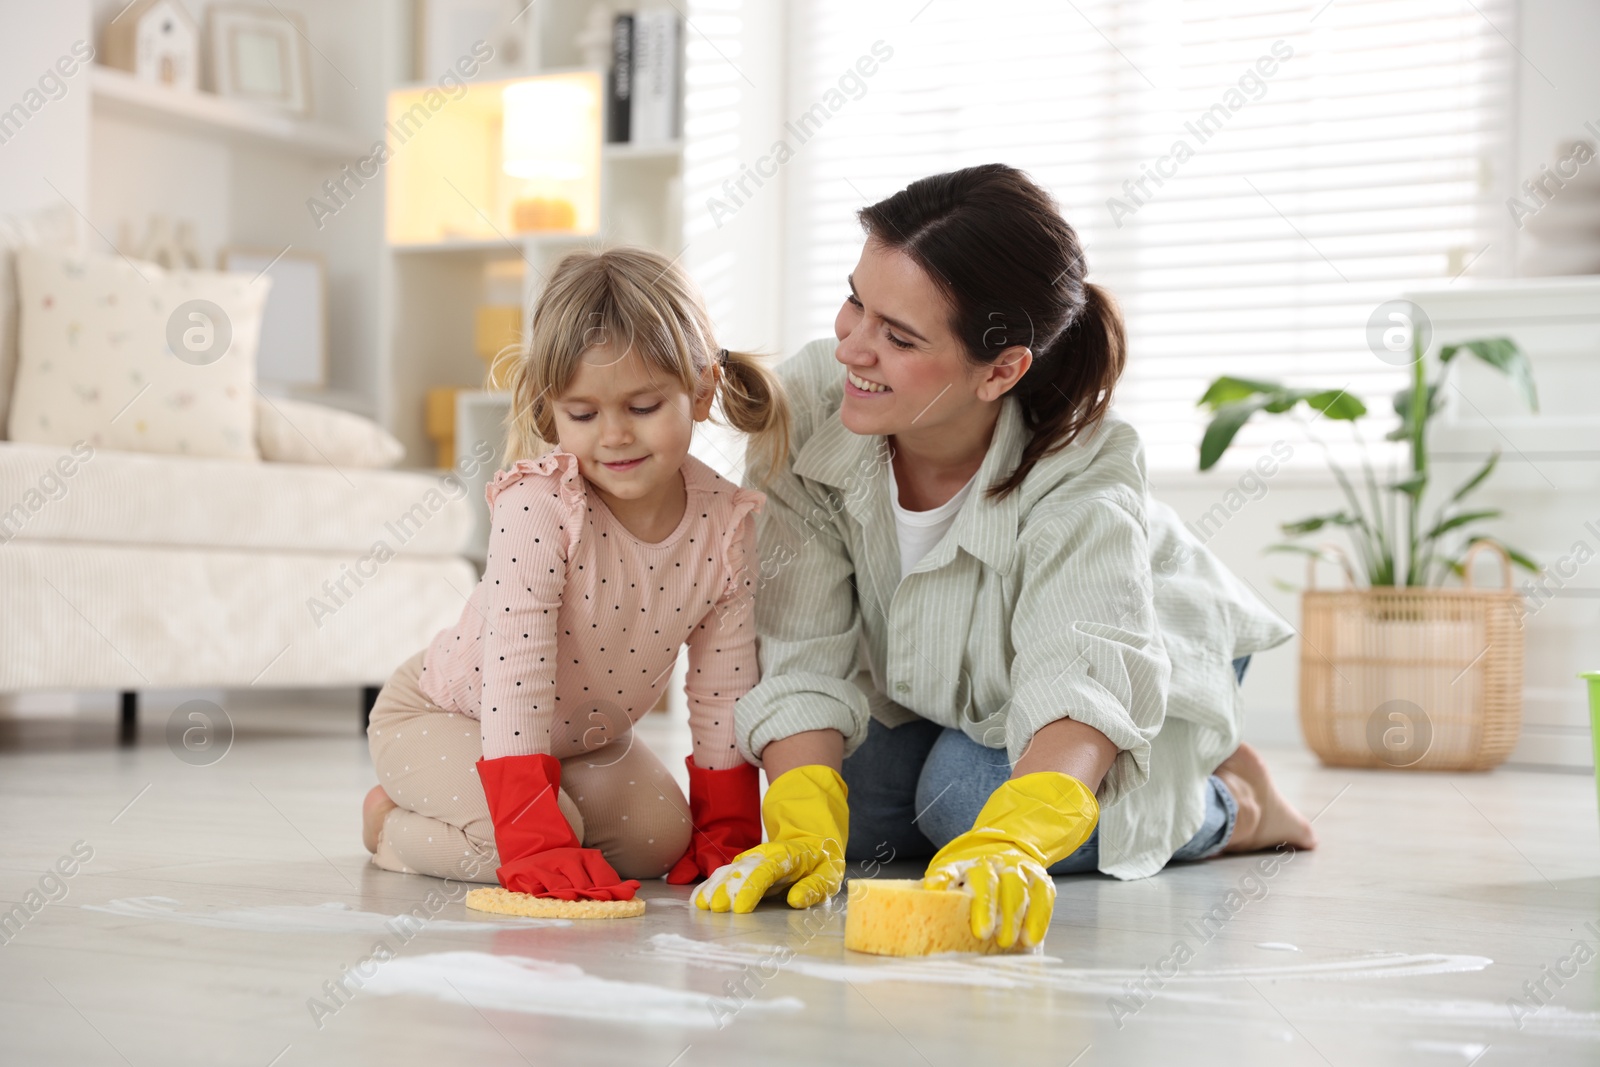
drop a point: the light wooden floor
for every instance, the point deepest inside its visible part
(223, 902)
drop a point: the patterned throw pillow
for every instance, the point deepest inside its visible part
(130, 356)
(55, 225)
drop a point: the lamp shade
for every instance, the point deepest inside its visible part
(551, 127)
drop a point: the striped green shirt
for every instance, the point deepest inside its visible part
(1076, 596)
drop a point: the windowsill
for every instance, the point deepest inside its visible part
(1220, 479)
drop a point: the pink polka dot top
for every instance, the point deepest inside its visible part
(573, 631)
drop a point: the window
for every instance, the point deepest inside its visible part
(1251, 178)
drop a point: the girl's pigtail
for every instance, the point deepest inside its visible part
(754, 402)
(511, 371)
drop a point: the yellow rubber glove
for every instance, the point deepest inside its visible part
(807, 823)
(1028, 824)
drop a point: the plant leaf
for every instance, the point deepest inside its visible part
(1503, 355)
(1249, 397)
(1227, 390)
(1402, 408)
(1457, 521)
(1337, 404)
(1412, 486)
(1304, 526)
(1227, 422)
(1477, 479)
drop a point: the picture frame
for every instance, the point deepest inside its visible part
(293, 349)
(258, 56)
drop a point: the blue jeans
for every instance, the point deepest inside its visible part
(917, 787)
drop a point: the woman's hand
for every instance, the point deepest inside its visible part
(808, 821)
(1028, 824)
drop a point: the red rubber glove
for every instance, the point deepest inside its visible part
(725, 808)
(539, 853)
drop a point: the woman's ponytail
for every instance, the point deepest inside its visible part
(1068, 389)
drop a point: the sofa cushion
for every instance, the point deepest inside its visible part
(294, 431)
(52, 226)
(133, 617)
(129, 355)
(83, 493)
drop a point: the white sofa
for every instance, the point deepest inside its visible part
(136, 571)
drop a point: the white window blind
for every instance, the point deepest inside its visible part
(1334, 154)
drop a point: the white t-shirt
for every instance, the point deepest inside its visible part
(919, 531)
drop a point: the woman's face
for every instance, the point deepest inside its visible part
(894, 334)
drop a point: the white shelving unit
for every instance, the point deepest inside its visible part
(210, 116)
(244, 176)
(431, 290)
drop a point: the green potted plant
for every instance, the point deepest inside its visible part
(1402, 672)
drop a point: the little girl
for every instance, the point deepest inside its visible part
(609, 547)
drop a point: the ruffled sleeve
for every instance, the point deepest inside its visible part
(739, 557)
(534, 523)
(567, 486)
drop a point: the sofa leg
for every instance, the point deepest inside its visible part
(128, 727)
(369, 698)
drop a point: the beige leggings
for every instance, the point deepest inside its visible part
(619, 799)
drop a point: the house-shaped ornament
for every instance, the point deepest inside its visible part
(156, 41)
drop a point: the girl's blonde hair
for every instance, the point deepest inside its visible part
(632, 299)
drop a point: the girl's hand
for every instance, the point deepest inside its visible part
(725, 811)
(539, 853)
(566, 874)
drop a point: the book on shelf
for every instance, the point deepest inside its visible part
(645, 102)
(619, 81)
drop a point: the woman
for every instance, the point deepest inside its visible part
(1050, 658)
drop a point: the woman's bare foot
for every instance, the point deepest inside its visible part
(1266, 818)
(373, 809)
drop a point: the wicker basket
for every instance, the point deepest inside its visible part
(1422, 678)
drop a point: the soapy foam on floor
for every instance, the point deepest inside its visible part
(1046, 972)
(330, 918)
(1193, 986)
(544, 987)
(1552, 1020)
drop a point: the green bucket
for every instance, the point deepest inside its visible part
(1594, 719)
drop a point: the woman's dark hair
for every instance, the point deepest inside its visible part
(1013, 273)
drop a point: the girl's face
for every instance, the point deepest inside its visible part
(628, 424)
(894, 332)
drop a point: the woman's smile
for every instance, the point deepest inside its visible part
(859, 386)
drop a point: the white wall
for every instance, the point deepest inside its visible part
(51, 147)
(1558, 80)
(733, 107)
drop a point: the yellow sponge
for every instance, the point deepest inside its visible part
(506, 902)
(897, 917)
